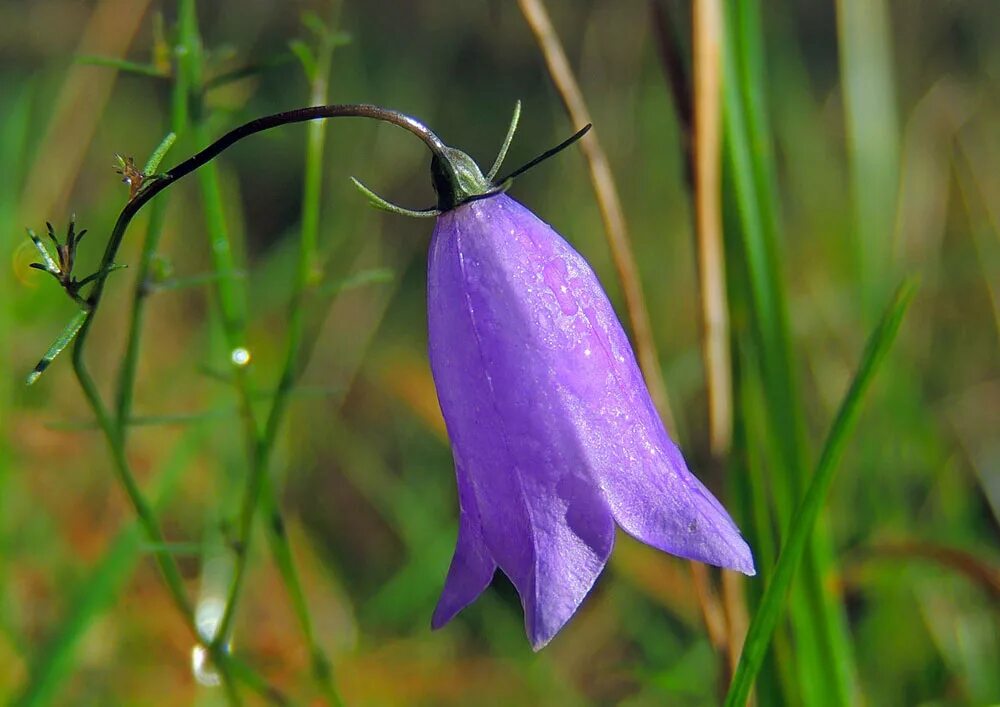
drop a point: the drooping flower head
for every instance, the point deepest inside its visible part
(554, 434)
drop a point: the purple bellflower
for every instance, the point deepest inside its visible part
(554, 434)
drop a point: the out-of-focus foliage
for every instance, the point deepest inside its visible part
(367, 474)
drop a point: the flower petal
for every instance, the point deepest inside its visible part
(640, 470)
(544, 521)
(472, 566)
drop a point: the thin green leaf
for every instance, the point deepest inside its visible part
(64, 340)
(823, 658)
(49, 263)
(800, 533)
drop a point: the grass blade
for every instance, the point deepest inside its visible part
(769, 611)
(823, 656)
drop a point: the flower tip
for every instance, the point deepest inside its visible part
(743, 561)
(541, 638)
(442, 615)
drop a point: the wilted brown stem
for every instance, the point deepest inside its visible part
(707, 48)
(707, 23)
(607, 199)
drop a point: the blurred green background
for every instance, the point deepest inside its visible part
(902, 177)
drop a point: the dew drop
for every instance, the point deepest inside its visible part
(554, 275)
(208, 616)
(240, 356)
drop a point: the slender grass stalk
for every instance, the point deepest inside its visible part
(827, 622)
(305, 279)
(259, 490)
(140, 293)
(777, 681)
(228, 287)
(124, 65)
(808, 510)
(108, 425)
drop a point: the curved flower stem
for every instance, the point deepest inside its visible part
(160, 182)
(258, 478)
(615, 229)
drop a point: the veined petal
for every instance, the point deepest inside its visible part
(544, 521)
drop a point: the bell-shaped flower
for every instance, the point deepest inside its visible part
(555, 437)
(554, 434)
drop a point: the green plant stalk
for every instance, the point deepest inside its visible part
(93, 300)
(130, 360)
(232, 298)
(761, 302)
(259, 489)
(127, 372)
(230, 301)
(767, 616)
(777, 685)
(305, 278)
(777, 680)
(819, 561)
(817, 617)
(229, 286)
